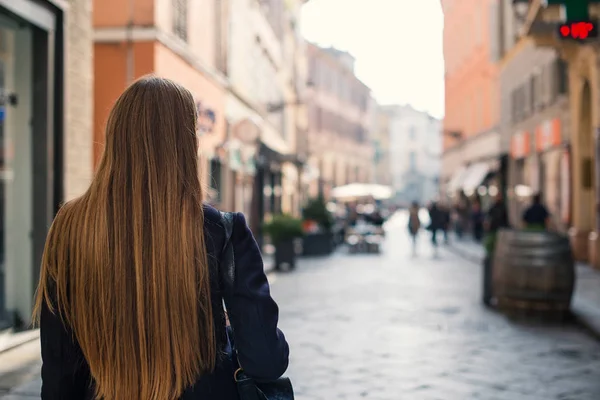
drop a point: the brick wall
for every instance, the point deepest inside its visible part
(78, 143)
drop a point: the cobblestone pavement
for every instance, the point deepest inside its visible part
(395, 327)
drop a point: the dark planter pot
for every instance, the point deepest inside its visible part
(318, 244)
(285, 253)
(487, 288)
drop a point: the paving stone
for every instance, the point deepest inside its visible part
(391, 326)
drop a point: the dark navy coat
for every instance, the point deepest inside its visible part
(262, 348)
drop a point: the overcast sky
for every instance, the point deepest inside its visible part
(397, 45)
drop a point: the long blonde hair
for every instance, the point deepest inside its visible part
(125, 264)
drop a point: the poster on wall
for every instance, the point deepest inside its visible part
(565, 186)
(534, 173)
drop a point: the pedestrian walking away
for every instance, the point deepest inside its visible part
(536, 216)
(136, 270)
(414, 224)
(436, 223)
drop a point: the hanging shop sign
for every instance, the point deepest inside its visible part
(548, 135)
(246, 130)
(519, 145)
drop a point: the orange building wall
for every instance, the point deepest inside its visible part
(110, 79)
(149, 57)
(113, 13)
(170, 65)
(471, 92)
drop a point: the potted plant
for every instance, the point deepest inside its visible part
(318, 223)
(283, 230)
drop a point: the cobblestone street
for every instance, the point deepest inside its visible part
(394, 327)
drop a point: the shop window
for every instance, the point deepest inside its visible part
(180, 15)
(586, 173)
(216, 177)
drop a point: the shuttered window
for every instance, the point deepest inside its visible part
(180, 14)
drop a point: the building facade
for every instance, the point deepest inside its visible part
(339, 105)
(264, 103)
(534, 121)
(380, 129)
(46, 141)
(177, 39)
(472, 143)
(415, 152)
(583, 66)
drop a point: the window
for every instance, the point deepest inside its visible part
(412, 133)
(180, 18)
(563, 76)
(412, 161)
(215, 177)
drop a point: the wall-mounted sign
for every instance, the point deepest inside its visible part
(247, 130)
(206, 118)
(548, 135)
(520, 145)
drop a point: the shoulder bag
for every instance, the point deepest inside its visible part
(248, 389)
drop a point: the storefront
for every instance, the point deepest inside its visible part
(552, 176)
(31, 146)
(519, 182)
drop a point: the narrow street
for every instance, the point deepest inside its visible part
(396, 327)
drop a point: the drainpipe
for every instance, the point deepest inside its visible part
(130, 59)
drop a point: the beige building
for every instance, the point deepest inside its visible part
(582, 61)
(45, 133)
(340, 150)
(380, 129)
(266, 75)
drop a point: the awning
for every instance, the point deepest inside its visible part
(457, 179)
(476, 174)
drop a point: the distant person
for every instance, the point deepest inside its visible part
(462, 219)
(435, 225)
(497, 216)
(477, 221)
(445, 222)
(537, 216)
(414, 225)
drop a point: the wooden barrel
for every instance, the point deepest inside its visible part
(533, 272)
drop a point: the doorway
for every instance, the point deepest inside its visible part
(16, 162)
(585, 141)
(31, 66)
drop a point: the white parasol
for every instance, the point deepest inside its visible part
(358, 190)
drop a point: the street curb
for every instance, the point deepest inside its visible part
(579, 317)
(20, 343)
(464, 254)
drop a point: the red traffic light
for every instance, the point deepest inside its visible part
(578, 30)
